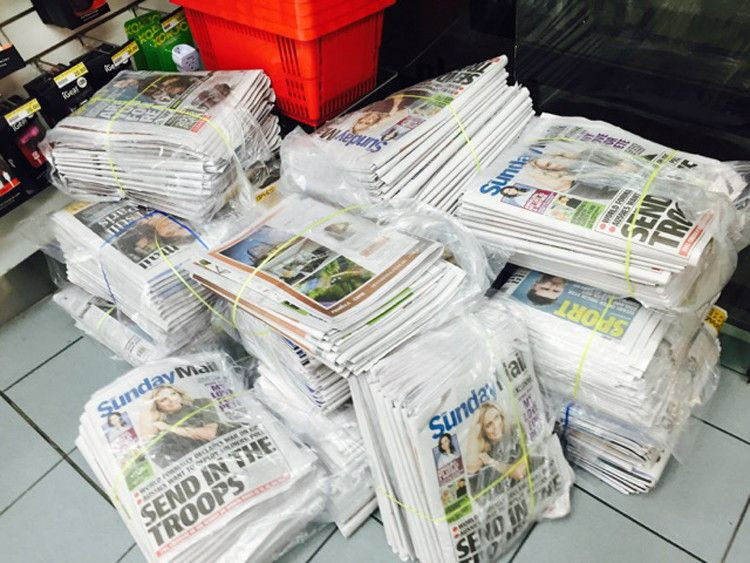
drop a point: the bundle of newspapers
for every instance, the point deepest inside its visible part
(198, 469)
(623, 377)
(288, 366)
(462, 454)
(345, 285)
(134, 257)
(178, 142)
(595, 204)
(335, 438)
(423, 142)
(102, 320)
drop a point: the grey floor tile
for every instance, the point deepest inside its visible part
(25, 456)
(303, 552)
(133, 555)
(367, 544)
(62, 519)
(698, 502)
(32, 337)
(77, 458)
(739, 552)
(593, 533)
(728, 408)
(54, 395)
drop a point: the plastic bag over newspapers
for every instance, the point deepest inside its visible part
(345, 284)
(183, 143)
(461, 449)
(420, 143)
(197, 467)
(592, 203)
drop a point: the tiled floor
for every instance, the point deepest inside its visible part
(51, 511)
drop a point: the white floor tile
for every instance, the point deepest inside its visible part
(698, 503)
(728, 408)
(26, 456)
(32, 337)
(55, 394)
(367, 544)
(62, 519)
(740, 550)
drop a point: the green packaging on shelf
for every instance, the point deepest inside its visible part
(140, 29)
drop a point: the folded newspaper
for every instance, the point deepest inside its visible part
(197, 468)
(595, 204)
(134, 258)
(178, 142)
(423, 142)
(624, 378)
(462, 454)
(344, 287)
(102, 320)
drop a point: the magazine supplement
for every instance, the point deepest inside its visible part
(346, 285)
(184, 143)
(592, 203)
(198, 469)
(423, 142)
(462, 453)
(625, 376)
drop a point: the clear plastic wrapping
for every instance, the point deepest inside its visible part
(345, 285)
(593, 203)
(178, 142)
(623, 379)
(420, 143)
(461, 449)
(198, 468)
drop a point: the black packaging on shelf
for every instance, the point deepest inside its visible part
(69, 13)
(61, 91)
(10, 60)
(23, 168)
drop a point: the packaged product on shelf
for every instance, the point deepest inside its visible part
(423, 142)
(623, 378)
(198, 469)
(462, 453)
(346, 285)
(592, 203)
(181, 143)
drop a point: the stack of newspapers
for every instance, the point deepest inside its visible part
(423, 142)
(198, 469)
(462, 454)
(134, 258)
(289, 366)
(592, 203)
(341, 286)
(623, 377)
(103, 321)
(335, 438)
(176, 142)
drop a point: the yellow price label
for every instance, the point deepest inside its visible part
(716, 317)
(70, 75)
(125, 53)
(172, 21)
(22, 112)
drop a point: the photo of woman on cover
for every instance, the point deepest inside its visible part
(493, 449)
(180, 422)
(446, 451)
(139, 241)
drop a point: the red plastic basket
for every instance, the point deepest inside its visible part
(313, 79)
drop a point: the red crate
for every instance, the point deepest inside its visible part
(314, 80)
(296, 19)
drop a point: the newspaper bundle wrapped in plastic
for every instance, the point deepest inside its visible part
(462, 453)
(288, 365)
(101, 320)
(178, 142)
(423, 142)
(335, 437)
(595, 204)
(131, 256)
(624, 378)
(198, 469)
(346, 285)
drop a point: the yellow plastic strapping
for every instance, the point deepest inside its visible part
(104, 316)
(477, 163)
